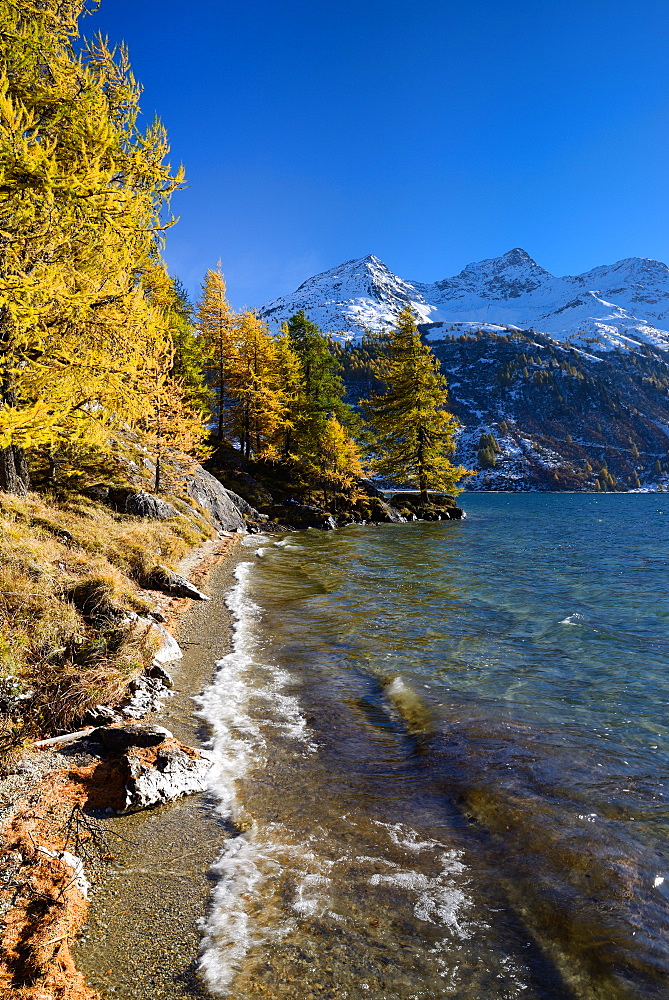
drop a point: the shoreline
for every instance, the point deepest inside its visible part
(42, 907)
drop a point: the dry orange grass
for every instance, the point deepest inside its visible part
(58, 653)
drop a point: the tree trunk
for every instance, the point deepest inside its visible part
(422, 477)
(156, 481)
(53, 471)
(14, 476)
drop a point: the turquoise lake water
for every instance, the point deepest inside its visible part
(443, 749)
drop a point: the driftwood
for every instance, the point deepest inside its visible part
(67, 738)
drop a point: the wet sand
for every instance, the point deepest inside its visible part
(141, 938)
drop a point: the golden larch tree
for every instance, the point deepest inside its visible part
(259, 402)
(216, 322)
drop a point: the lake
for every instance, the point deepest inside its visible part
(442, 752)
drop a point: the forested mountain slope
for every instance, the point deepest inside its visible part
(561, 417)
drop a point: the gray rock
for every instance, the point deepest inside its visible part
(100, 492)
(62, 533)
(143, 504)
(173, 584)
(74, 863)
(100, 715)
(174, 773)
(168, 649)
(243, 506)
(206, 490)
(116, 739)
(158, 672)
(147, 692)
(392, 514)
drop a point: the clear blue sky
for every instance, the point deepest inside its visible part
(430, 133)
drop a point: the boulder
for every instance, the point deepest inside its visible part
(158, 672)
(163, 579)
(304, 515)
(171, 773)
(144, 504)
(146, 695)
(168, 649)
(100, 715)
(128, 501)
(206, 490)
(118, 739)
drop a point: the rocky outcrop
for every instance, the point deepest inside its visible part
(137, 502)
(385, 511)
(440, 507)
(206, 490)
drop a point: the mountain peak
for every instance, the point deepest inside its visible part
(622, 303)
(518, 256)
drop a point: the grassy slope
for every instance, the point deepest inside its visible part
(63, 644)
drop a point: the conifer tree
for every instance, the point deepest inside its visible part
(322, 389)
(191, 354)
(82, 193)
(290, 375)
(414, 435)
(172, 425)
(487, 451)
(254, 382)
(339, 462)
(216, 323)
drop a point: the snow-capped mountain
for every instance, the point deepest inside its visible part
(610, 306)
(356, 296)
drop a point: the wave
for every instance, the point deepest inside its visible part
(247, 697)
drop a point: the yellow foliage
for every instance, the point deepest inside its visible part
(259, 400)
(215, 321)
(82, 195)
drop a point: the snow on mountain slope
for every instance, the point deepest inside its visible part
(358, 295)
(609, 306)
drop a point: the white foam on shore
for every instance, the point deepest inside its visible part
(247, 698)
(266, 884)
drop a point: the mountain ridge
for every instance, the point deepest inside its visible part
(625, 304)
